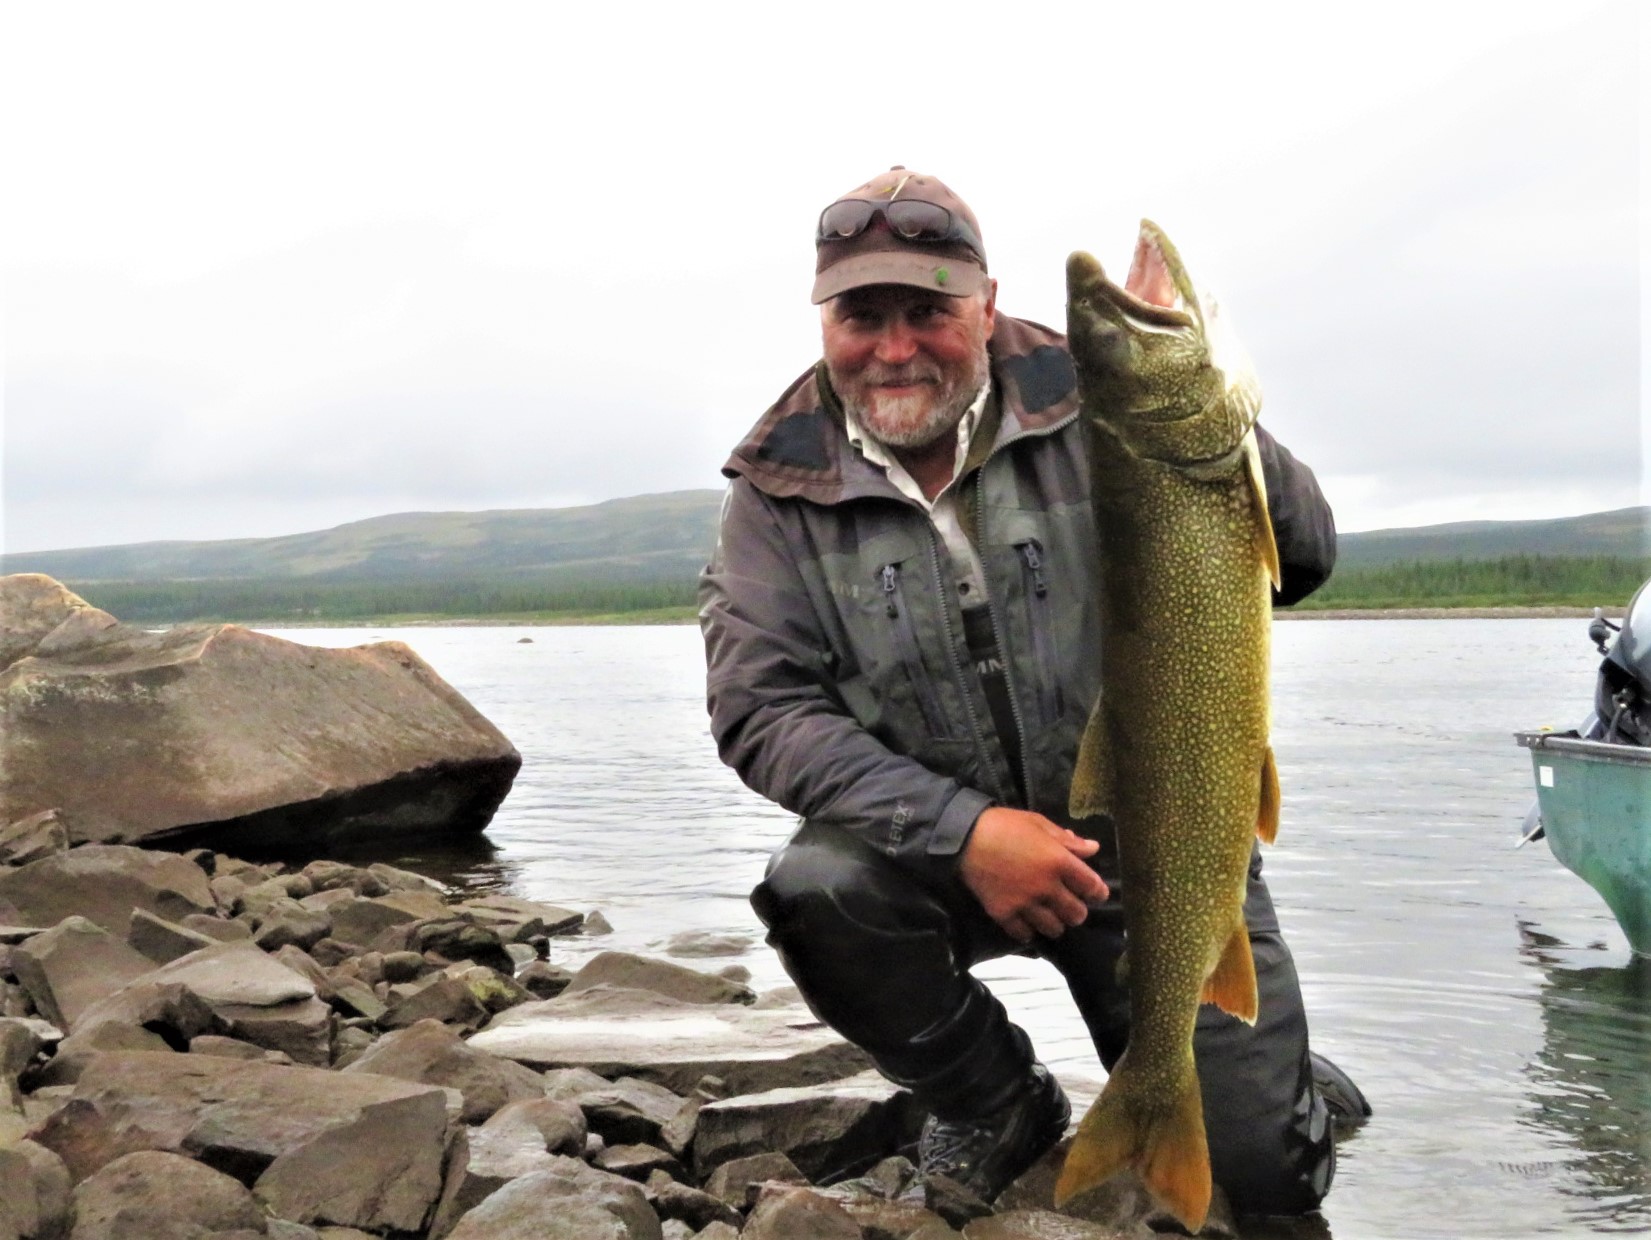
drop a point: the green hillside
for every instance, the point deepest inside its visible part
(639, 557)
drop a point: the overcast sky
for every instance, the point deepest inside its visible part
(271, 268)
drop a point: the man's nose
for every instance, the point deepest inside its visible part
(896, 344)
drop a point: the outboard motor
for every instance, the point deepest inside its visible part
(1622, 694)
(1622, 691)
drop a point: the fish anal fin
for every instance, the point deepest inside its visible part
(1091, 792)
(1231, 986)
(1263, 517)
(1266, 818)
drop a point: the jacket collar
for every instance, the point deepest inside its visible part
(799, 447)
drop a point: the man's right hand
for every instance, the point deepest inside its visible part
(1028, 874)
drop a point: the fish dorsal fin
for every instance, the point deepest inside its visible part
(1266, 818)
(1091, 792)
(1263, 518)
(1231, 987)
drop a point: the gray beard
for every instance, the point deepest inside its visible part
(904, 422)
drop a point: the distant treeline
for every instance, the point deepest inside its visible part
(309, 602)
(1508, 581)
(1511, 581)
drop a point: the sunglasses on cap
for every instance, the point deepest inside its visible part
(910, 219)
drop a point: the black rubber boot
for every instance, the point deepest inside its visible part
(1349, 1108)
(987, 1153)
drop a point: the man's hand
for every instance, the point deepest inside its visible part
(1027, 873)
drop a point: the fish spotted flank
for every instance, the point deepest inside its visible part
(1176, 750)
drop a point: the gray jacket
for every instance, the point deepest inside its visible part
(838, 681)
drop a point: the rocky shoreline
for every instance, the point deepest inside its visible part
(196, 1046)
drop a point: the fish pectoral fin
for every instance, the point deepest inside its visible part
(1266, 817)
(1231, 986)
(1263, 516)
(1163, 1140)
(1091, 792)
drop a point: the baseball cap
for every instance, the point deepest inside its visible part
(870, 236)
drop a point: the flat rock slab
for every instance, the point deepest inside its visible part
(827, 1130)
(671, 1043)
(317, 1147)
(102, 883)
(232, 736)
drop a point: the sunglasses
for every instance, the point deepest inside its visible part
(910, 219)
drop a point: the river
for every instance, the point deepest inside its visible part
(1482, 996)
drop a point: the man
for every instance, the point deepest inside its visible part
(899, 623)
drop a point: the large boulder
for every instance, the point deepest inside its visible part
(231, 736)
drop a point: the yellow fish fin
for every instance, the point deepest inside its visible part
(1165, 1145)
(1266, 818)
(1263, 517)
(1091, 791)
(1231, 986)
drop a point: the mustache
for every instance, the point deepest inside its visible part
(877, 373)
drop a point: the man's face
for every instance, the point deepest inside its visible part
(907, 361)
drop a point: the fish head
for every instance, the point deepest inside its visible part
(1157, 365)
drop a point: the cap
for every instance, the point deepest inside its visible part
(879, 255)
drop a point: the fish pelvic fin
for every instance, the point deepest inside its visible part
(1263, 516)
(1091, 791)
(1165, 1144)
(1231, 986)
(1266, 816)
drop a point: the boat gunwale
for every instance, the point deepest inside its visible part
(1574, 746)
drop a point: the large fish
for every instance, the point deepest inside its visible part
(1177, 747)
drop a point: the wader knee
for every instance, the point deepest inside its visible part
(882, 959)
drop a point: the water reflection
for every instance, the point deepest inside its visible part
(1589, 1080)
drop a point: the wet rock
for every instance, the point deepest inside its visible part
(570, 1201)
(235, 736)
(1043, 1225)
(453, 940)
(702, 943)
(481, 1164)
(336, 876)
(317, 1147)
(596, 925)
(736, 1182)
(430, 1053)
(828, 1130)
(785, 1213)
(624, 970)
(404, 966)
(72, 966)
(644, 1034)
(881, 1216)
(161, 941)
(518, 920)
(34, 1192)
(103, 883)
(34, 837)
(543, 980)
(156, 1196)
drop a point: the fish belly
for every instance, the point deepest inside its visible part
(1183, 715)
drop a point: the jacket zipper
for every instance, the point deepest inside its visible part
(910, 654)
(1008, 671)
(1043, 633)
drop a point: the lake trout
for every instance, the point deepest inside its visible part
(1176, 750)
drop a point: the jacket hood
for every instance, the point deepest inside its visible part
(799, 447)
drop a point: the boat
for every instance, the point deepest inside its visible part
(1593, 783)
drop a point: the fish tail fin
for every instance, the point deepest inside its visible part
(1266, 818)
(1231, 987)
(1165, 1145)
(1091, 790)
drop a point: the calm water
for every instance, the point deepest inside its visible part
(1482, 996)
